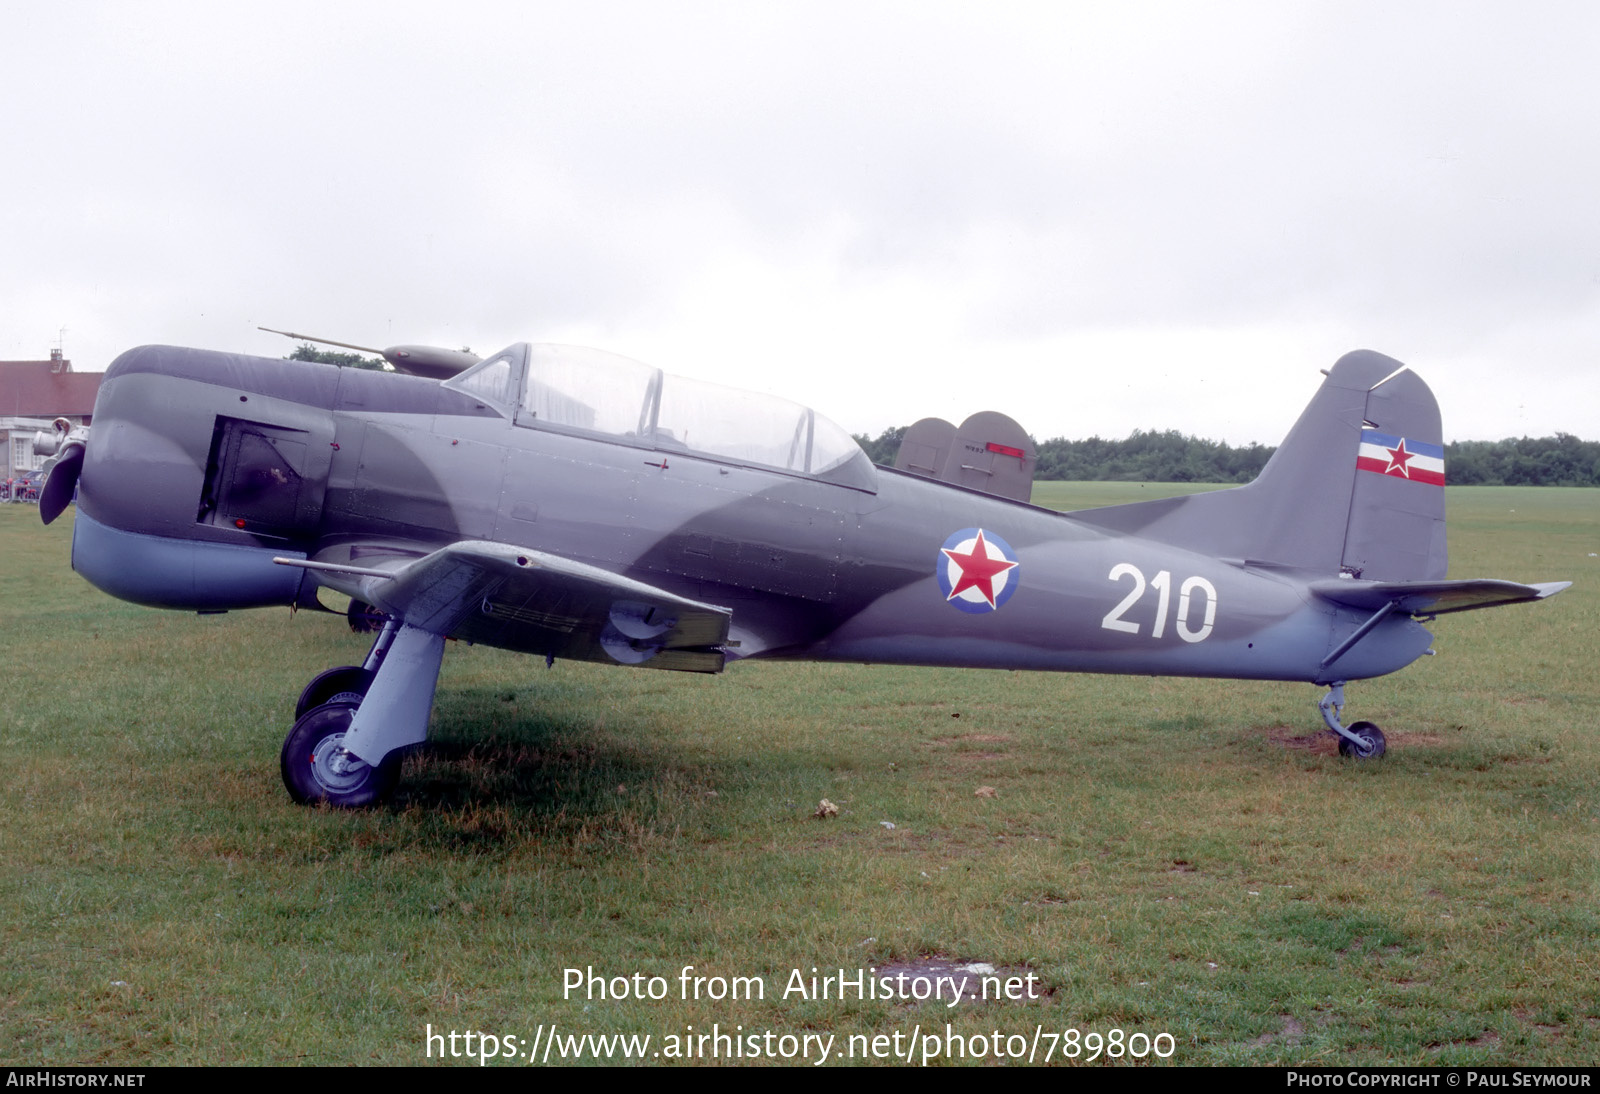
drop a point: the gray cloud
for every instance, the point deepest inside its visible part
(850, 202)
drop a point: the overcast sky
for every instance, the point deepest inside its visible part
(1094, 217)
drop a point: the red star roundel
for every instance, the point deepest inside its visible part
(977, 570)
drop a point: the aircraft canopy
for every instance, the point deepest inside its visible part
(572, 389)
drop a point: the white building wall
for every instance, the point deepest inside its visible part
(18, 455)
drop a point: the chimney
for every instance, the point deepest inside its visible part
(57, 362)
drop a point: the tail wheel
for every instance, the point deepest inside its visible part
(316, 767)
(1372, 744)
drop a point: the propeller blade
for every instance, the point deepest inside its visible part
(62, 481)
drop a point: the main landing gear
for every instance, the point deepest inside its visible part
(352, 722)
(1361, 741)
(318, 768)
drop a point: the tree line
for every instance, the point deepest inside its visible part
(305, 351)
(1170, 456)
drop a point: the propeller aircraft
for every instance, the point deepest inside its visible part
(570, 503)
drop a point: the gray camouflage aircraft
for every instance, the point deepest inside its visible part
(573, 504)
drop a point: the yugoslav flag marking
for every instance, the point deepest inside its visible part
(1402, 457)
(977, 570)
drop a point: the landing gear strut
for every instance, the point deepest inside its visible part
(347, 683)
(352, 722)
(1361, 741)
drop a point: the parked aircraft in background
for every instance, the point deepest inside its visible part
(574, 504)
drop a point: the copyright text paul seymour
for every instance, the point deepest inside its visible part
(1465, 1078)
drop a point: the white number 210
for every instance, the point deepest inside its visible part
(1162, 583)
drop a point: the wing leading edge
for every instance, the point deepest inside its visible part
(516, 598)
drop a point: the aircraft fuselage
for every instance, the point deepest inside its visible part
(206, 466)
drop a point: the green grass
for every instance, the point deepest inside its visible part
(1174, 856)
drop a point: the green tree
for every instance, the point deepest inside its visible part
(305, 351)
(887, 445)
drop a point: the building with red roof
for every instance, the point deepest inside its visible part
(32, 395)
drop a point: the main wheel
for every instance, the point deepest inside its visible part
(1372, 745)
(316, 768)
(346, 684)
(364, 618)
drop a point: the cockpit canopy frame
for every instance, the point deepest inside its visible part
(592, 393)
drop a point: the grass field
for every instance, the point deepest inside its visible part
(1166, 856)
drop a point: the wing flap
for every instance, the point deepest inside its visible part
(1433, 597)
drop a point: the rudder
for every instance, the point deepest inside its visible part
(1396, 530)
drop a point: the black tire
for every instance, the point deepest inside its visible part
(316, 769)
(346, 684)
(364, 618)
(1372, 746)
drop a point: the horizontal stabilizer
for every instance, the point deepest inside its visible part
(1432, 597)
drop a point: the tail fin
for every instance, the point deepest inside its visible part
(1356, 487)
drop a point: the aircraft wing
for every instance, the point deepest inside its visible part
(1432, 597)
(534, 602)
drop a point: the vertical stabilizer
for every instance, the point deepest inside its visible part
(1323, 503)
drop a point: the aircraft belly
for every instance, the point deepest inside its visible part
(1063, 630)
(1389, 647)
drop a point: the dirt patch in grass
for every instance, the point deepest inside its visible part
(1290, 1032)
(1548, 1029)
(1321, 742)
